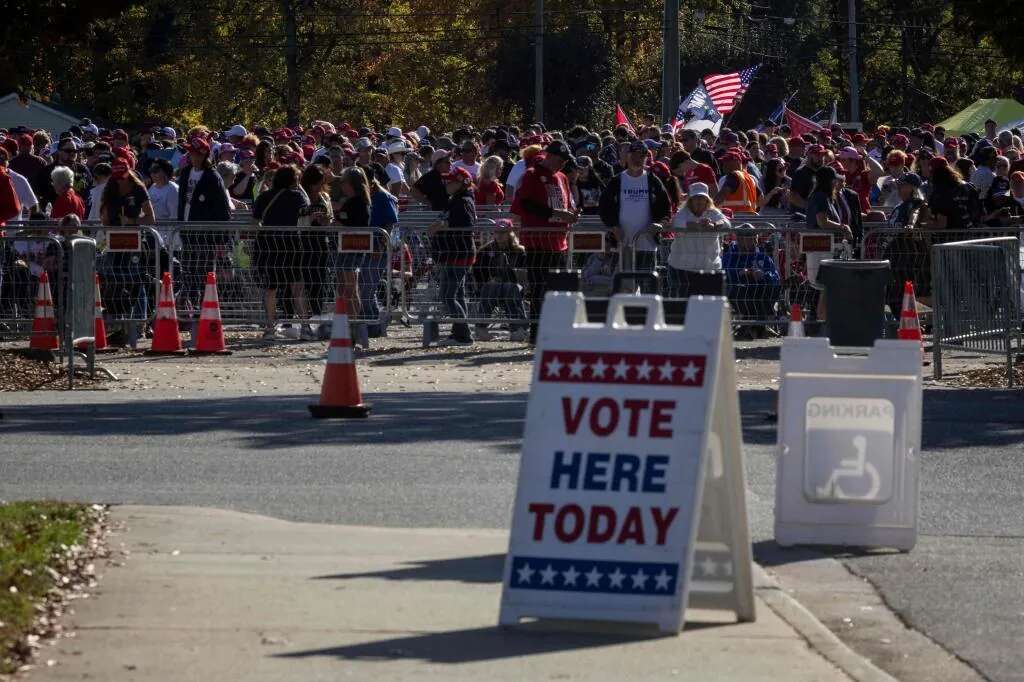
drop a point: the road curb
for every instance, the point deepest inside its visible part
(818, 636)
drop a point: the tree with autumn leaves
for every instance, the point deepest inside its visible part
(445, 63)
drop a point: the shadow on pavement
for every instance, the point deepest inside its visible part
(953, 418)
(485, 644)
(284, 421)
(470, 356)
(475, 569)
(767, 553)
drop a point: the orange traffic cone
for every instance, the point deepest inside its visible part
(339, 394)
(100, 327)
(210, 337)
(796, 321)
(44, 325)
(910, 325)
(166, 336)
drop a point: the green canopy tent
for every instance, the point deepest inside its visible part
(972, 119)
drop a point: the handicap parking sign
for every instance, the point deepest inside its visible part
(849, 449)
(849, 444)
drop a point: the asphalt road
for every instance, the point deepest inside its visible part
(450, 460)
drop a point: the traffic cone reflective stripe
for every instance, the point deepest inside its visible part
(100, 325)
(210, 335)
(340, 350)
(910, 325)
(796, 321)
(166, 336)
(44, 324)
(339, 394)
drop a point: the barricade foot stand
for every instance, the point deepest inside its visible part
(361, 331)
(133, 335)
(166, 335)
(208, 338)
(431, 333)
(340, 397)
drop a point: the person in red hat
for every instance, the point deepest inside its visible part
(25, 162)
(452, 246)
(542, 201)
(951, 149)
(125, 200)
(202, 196)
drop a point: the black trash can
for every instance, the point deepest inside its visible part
(854, 300)
(557, 280)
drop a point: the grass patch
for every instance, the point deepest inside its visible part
(34, 539)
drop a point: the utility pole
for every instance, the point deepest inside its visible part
(538, 63)
(670, 61)
(854, 78)
(293, 92)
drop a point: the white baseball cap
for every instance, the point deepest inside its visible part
(394, 131)
(237, 130)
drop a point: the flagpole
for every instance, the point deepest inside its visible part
(670, 61)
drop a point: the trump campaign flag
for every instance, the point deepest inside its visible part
(727, 89)
(798, 125)
(622, 120)
(697, 106)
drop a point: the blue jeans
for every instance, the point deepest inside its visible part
(452, 280)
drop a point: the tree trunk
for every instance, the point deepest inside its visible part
(291, 61)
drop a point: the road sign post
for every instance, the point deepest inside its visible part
(849, 441)
(630, 502)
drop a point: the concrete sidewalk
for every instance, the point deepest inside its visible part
(217, 595)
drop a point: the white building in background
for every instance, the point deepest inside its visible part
(22, 111)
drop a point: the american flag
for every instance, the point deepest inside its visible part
(727, 89)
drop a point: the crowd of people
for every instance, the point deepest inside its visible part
(657, 189)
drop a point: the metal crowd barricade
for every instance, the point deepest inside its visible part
(977, 298)
(305, 267)
(24, 256)
(128, 261)
(794, 252)
(499, 287)
(909, 252)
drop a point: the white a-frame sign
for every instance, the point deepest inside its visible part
(630, 503)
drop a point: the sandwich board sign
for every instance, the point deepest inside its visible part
(630, 504)
(849, 439)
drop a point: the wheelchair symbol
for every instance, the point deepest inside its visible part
(856, 468)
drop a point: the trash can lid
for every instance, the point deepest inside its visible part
(855, 264)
